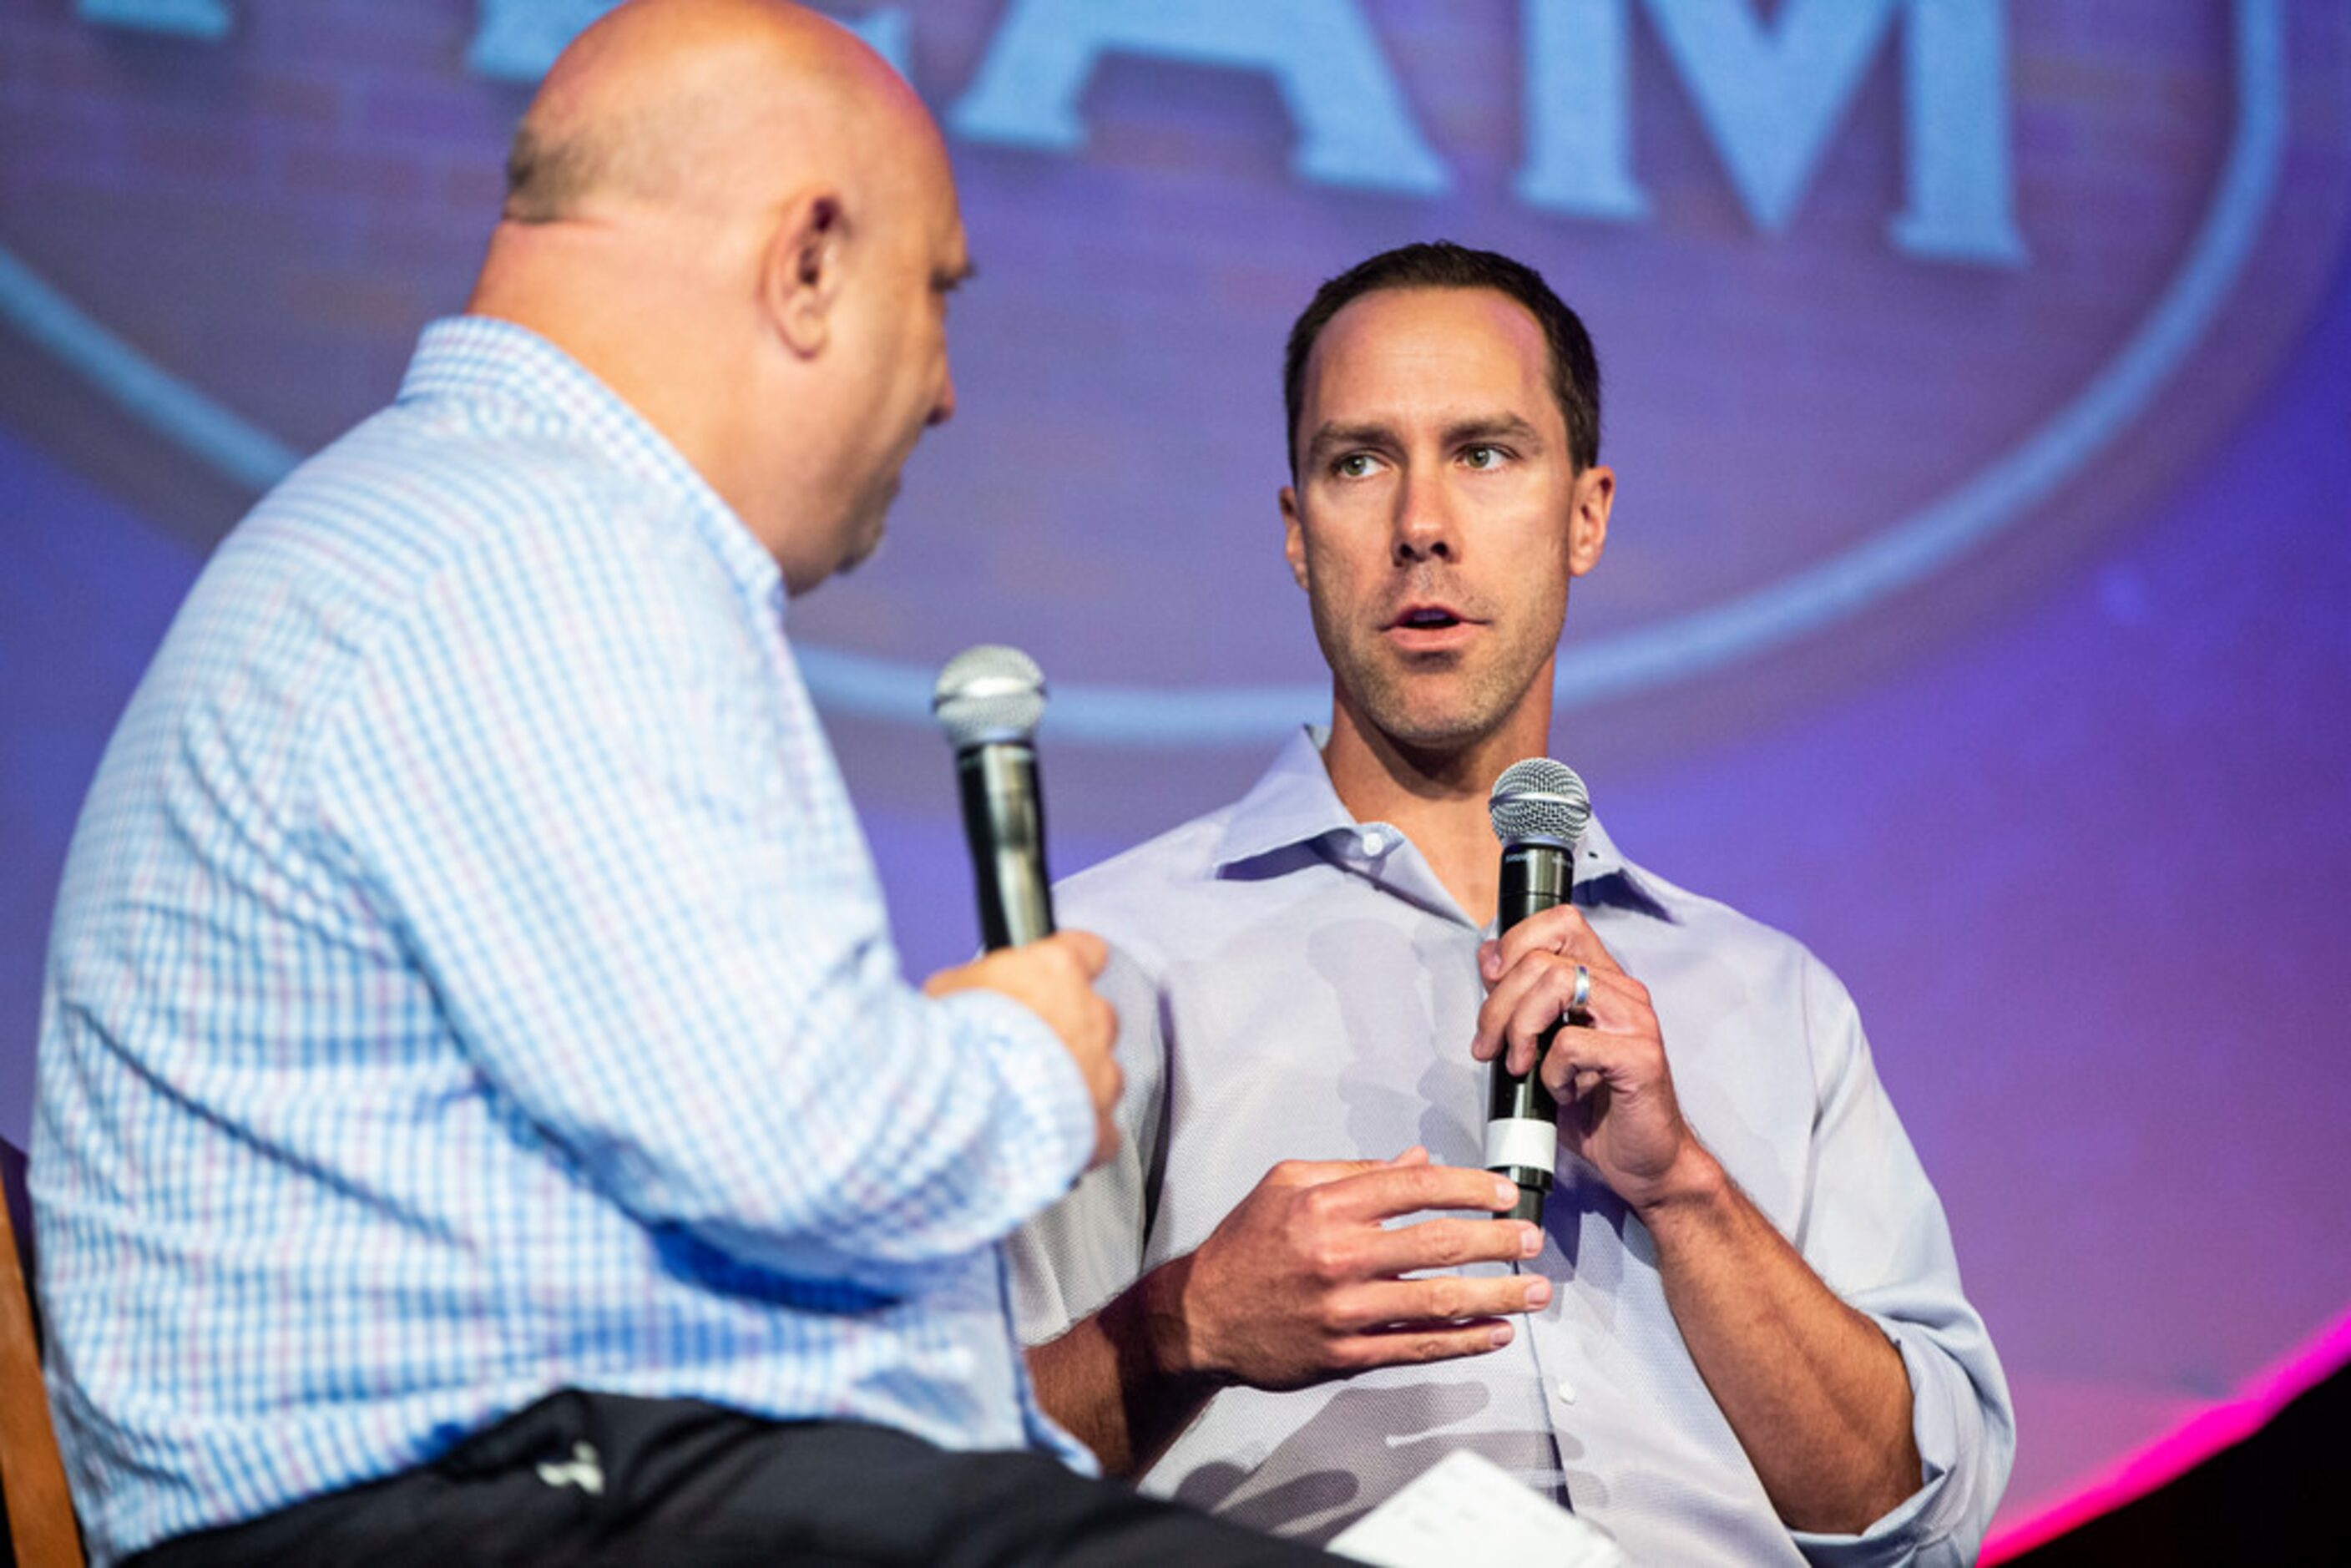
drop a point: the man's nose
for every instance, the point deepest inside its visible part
(1424, 525)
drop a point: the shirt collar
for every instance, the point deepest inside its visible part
(485, 362)
(1293, 805)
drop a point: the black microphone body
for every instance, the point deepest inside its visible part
(1535, 877)
(988, 700)
(1004, 821)
(1539, 809)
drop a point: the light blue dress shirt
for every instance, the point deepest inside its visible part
(470, 979)
(1294, 984)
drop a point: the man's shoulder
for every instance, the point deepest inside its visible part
(428, 479)
(1680, 919)
(411, 501)
(1138, 893)
(1182, 856)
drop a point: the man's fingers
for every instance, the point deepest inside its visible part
(1581, 1059)
(1563, 931)
(1412, 1344)
(1502, 1002)
(1441, 1299)
(1612, 1001)
(1091, 952)
(1448, 1244)
(1386, 1191)
(1529, 996)
(1542, 1007)
(1323, 1173)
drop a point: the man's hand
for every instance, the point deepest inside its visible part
(1054, 979)
(1616, 1092)
(1302, 1282)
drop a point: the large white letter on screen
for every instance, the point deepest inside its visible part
(1769, 95)
(1354, 126)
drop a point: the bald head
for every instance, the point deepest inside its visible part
(741, 219)
(667, 101)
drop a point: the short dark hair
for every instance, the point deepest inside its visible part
(1441, 264)
(547, 176)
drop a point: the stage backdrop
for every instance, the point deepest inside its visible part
(1978, 607)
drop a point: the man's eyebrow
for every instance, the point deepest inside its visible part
(1492, 427)
(1465, 431)
(1330, 435)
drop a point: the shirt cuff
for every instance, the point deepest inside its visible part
(1928, 1526)
(1041, 1079)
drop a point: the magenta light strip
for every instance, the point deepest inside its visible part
(2196, 1439)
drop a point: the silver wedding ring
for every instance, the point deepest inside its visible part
(1583, 989)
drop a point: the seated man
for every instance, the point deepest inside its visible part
(1744, 1339)
(480, 1117)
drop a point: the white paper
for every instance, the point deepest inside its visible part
(1466, 1508)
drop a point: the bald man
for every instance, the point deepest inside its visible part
(481, 1118)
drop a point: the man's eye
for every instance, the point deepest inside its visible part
(1483, 457)
(1354, 465)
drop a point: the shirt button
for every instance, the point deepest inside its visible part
(1374, 842)
(1565, 1390)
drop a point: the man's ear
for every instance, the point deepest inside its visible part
(1293, 536)
(1587, 527)
(801, 275)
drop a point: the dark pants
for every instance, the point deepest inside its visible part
(598, 1478)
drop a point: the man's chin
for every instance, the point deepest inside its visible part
(1426, 706)
(1437, 738)
(866, 543)
(1434, 727)
(1437, 723)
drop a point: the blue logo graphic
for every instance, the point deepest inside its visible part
(1769, 96)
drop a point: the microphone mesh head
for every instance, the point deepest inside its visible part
(990, 693)
(1539, 799)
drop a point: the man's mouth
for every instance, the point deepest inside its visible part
(1429, 626)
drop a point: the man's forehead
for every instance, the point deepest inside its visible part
(901, 164)
(1397, 342)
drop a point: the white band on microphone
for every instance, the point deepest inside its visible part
(1522, 1141)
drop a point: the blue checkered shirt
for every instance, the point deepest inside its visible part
(470, 980)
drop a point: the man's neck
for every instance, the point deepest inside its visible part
(1438, 798)
(638, 308)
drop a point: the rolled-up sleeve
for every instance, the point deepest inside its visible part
(1875, 1231)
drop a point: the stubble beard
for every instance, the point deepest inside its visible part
(1443, 706)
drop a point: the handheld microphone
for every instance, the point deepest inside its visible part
(988, 700)
(1539, 808)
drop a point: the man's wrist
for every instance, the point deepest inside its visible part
(1694, 1189)
(1162, 1327)
(1141, 1383)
